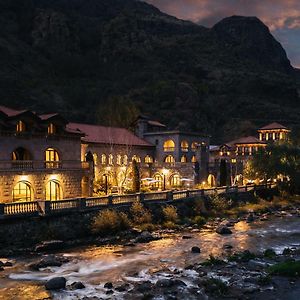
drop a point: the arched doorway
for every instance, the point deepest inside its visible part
(175, 181)
(211, 180)
(53, 190)
(22, 192)
(158, 181)
(51, 158)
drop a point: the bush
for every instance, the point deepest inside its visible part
(110, 221)
(140, 215)
(288, 268)
(199, 220)
(170, 214)
(219, 204)
(170, 225)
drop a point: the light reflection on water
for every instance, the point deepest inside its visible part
(97, 265)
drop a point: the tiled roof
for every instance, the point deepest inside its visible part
(273, 126)
(248, 140)
(107, 135)
(48, 116)
(11, 112)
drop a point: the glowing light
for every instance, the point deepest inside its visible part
(24, 178)
(165, 171)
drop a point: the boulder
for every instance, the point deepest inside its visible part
(48, 261)
(56, 283)
(108, 285)
(250, 218)
(77, 286)
(223, 230)
(186, 237)
(227, 246)
(195, 249)
(144, 287)
(144, 237)
(49, 246)
(122, 287)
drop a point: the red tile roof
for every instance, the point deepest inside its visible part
(107, 135)
(273, 126)
(11, 112)
(248, 140)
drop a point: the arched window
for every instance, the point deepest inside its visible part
(21, 159)
(95, 158)
(148, 159)
(53, 191)
(21, 127)
(158, 181)
(184, 146)
(110, 159)
(51, 128)
(51, 158)
(194, 159)
(169, 146)
(169, 159)
(183, 159)
(194, 146)
(119, 160)
(136, 158)
(22, 192)
(175, 180)
(103, 159)
(125, 160)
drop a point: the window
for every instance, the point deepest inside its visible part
(125, 160)
(53, 191)
(175, 180)
(22, 192)
(169, 146)
(148, 159)
(194, 146)
(183, 159)
(184, 146)
(169, 159)
(158, 181)
(103, 159)
(110, 159)
(194, 159)
(21, 127)
(136, 158)
(51, 158)
(21, 154)
(51, 128)
(119, 160)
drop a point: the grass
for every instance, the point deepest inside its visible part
(289, 268)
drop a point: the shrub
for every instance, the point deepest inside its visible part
(170, 214)
(199, 220)
(219, 204)
(170, 225)
(288, 268)
(110, 221)
(140, 214)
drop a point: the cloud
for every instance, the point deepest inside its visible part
(281, 16)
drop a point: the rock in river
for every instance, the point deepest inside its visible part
(223, 230)
(195, 249)
(49, 245)
(56, 283)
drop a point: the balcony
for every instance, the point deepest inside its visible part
(34, 165)
(169, 149)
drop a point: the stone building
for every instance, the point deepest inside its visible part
(39, 157)
(235, 154)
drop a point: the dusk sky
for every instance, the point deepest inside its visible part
(281, 16)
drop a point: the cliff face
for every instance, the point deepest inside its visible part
(75, 55)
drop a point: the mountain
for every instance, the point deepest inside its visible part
(106, 60)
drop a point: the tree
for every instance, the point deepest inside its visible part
(277, 161)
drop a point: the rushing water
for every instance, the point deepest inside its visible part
(95, 266)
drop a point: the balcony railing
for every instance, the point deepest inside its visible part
(169, 149)
(42, 165)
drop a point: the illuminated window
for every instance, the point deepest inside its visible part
(194, 146)
(169, 159)
(148, 159)
(21, 127)
(119, 160)
(169, 146)
(51, 158)
(51, 128)
(175, 180)
(183, 159)
(125, 160)
(103, 159)
(110, 159)
(136, 158)
(95, 157)
(184, 146)
(158, 181)
(22, 192)
(53, 191)
(194, 159)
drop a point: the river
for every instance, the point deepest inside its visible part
(94, 266)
